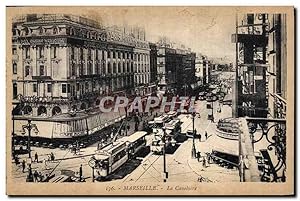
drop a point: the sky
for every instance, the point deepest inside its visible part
(206, 30)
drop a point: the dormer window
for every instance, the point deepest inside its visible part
(41, 31)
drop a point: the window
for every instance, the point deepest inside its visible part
(72, 53)
(119, 55)
(34, 88)
(119, 68)
(54, 52)
(90, 69)
(89, 54)
(14, 50)
(97, 56)
(81, 53)
(15, 90)
(15, 70)
(109, 67)
(108, 54)
(114, 68)
(69, 88)
(27, 53)
(41, 30)
(114, 54)
(42, 70)
(81, 69)
(102, 55)
(77, 86)
(64, 88)
(73, 70)
(27, 71)
(49, 88)
(41, 52)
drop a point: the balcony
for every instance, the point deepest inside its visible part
(262, 150)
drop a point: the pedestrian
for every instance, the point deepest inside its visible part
(52, 156)
(23, 165)
(36, 157)
(29, 170)
(198, 156)
(206, 135)
(204, 162)
(199, 137)
(35, 176)
(80, 173)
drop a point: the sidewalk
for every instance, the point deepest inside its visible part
(213, 172)
(70, 160)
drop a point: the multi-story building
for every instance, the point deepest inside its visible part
(153, 63)
(260, 93)
(277, 69)
(250, 91)
(175, 67)
(65, 62)
(206, 70)
(199, 67)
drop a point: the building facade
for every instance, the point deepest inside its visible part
(175, 67)
(277, 69)
(63, 58)
(63, 64)
(252, 40)
(153, 63)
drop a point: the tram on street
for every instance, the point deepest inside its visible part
(114, 155)
(174, 125)
(157, 144)
(158, 122)
(135, 142)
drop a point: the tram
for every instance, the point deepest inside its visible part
(174, 125)
(114, 155)
(135, 142)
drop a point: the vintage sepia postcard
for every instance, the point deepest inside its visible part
(189, 101)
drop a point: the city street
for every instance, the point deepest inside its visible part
(180, 165)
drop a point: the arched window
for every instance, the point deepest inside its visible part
(56, 111)
(42, 111)
(119, 68)
(114, 67)
(83, 106)
(109, 67)
(27, 110)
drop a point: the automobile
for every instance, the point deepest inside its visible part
(189, 134)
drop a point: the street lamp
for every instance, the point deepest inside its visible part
(29, 126)
(194, 132)
(163, 145)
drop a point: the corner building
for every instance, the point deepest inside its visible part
(64, 62)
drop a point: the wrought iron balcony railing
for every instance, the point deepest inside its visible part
(268, 139)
